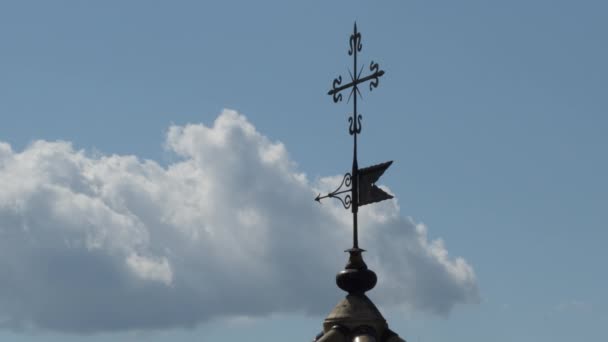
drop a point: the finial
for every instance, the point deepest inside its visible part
(356, 278)
(357, 187)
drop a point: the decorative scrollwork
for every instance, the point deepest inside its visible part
(375, 69)
(355, 126)
(347, 179)
(347, 200)
(357, 80)
(355, 42)
(336, 95)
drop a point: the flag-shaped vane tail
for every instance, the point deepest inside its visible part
(368, 191)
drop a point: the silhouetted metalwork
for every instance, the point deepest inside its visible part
(368, 191)
(346, 201)
(356, 318)
(363, 189)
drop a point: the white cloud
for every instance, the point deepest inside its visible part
(98, 243)
(146, 268)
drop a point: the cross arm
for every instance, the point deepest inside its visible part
(338, 88)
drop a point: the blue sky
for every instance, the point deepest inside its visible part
(494, 112)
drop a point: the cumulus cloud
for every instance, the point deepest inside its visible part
(94, 243)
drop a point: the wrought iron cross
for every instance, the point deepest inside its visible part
(360, 183)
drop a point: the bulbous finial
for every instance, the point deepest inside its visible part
(356, 278)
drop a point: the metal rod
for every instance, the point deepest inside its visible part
(355, 171)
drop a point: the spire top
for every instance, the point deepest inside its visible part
(358, 186)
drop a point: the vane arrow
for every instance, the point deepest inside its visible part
(346, 201)
(331, 195)
(368, 191)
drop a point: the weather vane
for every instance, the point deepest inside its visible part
(358, 186)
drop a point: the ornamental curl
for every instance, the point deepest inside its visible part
(355, 43)
(355, 125)
(346, 181)
(375, 69)
(336, 95)
(346, 201)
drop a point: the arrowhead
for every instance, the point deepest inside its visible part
(318, 199)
